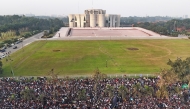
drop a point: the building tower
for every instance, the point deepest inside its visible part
(94, 18)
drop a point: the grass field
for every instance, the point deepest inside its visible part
(83, 57)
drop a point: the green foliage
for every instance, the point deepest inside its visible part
(148, 90)
(136, 90)
(53, 75)
(167, 28)
(2, 45)
(134, 19)
(14, 39)
(98, 75)
(16, 22)
(162, 92)
(51, 31)
(82, 94)
(27, 34)
(8, 41)
(188, 33)
(12, 97)
(46, 33)
(17, 33)
(28, 94)
(27, 26)
(41, 97)
(180, 67)
(123, 91)
(8, 35)
(109, 90)
(167, 77)
(177, 90)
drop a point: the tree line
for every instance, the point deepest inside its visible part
(172, 27)
(22, 26)
(134, 19)
(179, 71)
(30, 24)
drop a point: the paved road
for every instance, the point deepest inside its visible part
(24, 43)
(114, 38)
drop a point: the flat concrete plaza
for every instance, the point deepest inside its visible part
(118, 33)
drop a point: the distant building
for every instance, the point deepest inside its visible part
(94, 18)
(29, 15)
(186, 16)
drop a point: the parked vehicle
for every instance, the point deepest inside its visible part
(2, 50)
(9, 45)
(17, 42)
(2, 56)
(5, 47)
(12, 44)
(15, 47)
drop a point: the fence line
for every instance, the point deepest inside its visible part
(88, 76)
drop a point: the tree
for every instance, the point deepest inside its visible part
(181, 68)
(82, 94)
(51, 31)
(162, 93)
(28, 94)
(46, 33)
(17, 33)
(54, 77)
(42, 97)
(167, 77)
(17, 23)
(123, 91)
(148, 91)
(8, 41)
(136, 90)
(97, 76)
(109, 90)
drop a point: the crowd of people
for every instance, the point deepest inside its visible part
(89, 93)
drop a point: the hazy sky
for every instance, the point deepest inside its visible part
(123, 7)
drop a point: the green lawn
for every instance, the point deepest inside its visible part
(83, 57)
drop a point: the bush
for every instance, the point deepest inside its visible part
(14, 39)
(28, 34)
(8, 41)
(50, 36)
(1, 45)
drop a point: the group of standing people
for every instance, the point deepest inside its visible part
(88, 93)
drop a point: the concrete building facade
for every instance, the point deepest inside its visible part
(94, 18)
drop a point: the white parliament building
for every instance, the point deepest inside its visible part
(94, 18)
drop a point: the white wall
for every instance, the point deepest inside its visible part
(92, 20)
(101, 20)
(71, 23)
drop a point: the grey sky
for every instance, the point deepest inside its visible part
(123, 7)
